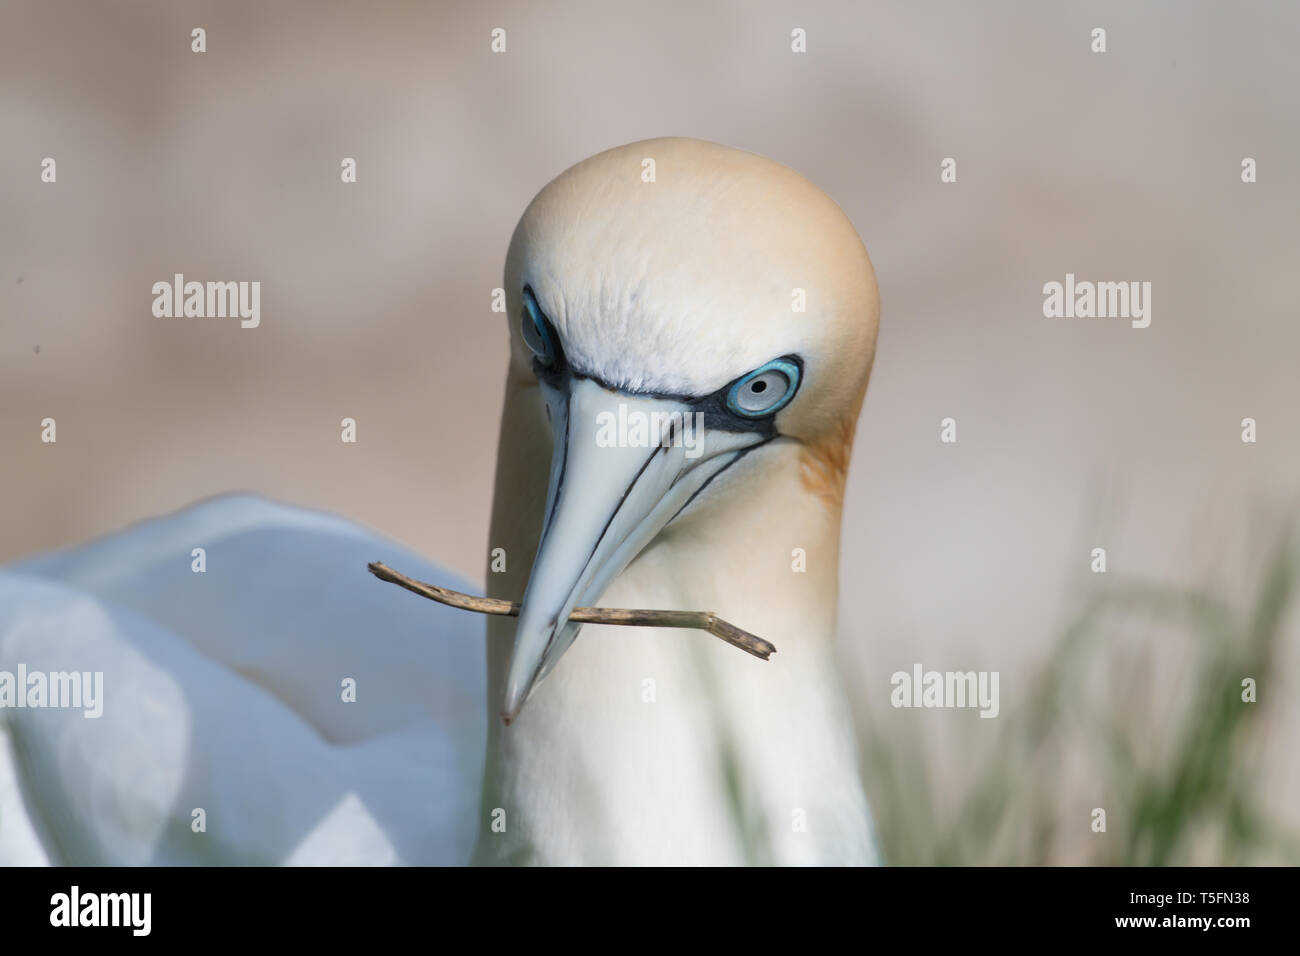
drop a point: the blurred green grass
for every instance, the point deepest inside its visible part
(1138, 710)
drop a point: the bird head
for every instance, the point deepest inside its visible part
(681, 306)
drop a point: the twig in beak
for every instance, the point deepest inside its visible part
(700, 620)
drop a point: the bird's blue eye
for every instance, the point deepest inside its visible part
(765, 390)
(537, 335)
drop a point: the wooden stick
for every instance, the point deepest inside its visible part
(700, 620)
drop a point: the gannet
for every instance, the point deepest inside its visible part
(672, 302)
(666, 297)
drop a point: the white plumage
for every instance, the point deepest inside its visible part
(223, 693)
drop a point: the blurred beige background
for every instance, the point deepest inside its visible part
(1073, 434)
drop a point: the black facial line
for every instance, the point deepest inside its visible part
(708, 481)
(717, 415)
(694, 400)
(564, 468)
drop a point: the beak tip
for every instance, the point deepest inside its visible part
(514, 702)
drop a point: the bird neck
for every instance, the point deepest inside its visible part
(653, 745)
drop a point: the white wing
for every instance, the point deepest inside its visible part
(223, 692)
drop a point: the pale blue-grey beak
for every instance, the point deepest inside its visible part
(606, 501)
